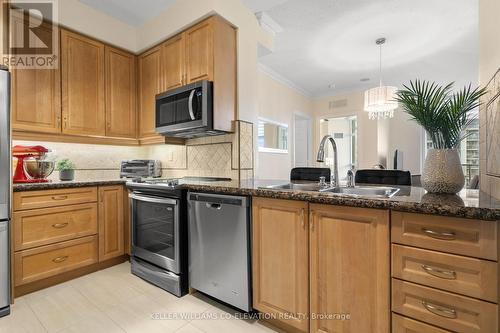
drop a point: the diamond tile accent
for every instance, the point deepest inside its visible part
(246, 145)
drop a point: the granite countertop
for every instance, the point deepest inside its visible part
(55, 184)
(472, 204)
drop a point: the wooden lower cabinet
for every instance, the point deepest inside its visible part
(46, 261)
(280, 260)
(325, 267)
(45, 226)
(111, 241)
(402, 324)
(62, 231)
(349, 269)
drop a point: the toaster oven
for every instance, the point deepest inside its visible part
(140, 169)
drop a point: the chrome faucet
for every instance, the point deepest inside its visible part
(334, 181)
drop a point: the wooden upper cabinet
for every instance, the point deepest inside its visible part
(111, 239)
(120, 93)
(172, 63)
(149, 86)
(280, 260)
(36, 93)
(349, 269)
(83, 106)
(199, 51)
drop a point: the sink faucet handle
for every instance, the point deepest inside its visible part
(322, 181)
(350, 177)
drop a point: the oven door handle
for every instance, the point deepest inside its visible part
(152, 199)
(190, 104)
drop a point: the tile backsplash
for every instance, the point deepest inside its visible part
(216, 156)
(489, 129)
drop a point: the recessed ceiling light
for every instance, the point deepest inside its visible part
(365, 79)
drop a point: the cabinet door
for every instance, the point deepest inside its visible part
(280, 260)
(120, 93)
(149, 86)
(36, 93)
(82, 85)
(172, 63)
(110, 222)
(199, 52)
(349, 253)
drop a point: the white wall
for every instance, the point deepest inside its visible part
(367, 129)
(377, 140)
(86, 20)
(279, 102)
(405, 135)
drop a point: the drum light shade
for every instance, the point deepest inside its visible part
(380, 103)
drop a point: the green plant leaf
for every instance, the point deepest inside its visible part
(443, 115)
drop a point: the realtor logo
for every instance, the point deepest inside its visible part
(33, 37)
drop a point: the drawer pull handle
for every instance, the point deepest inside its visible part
(445, 235)
(440, 310)
(59, 197)
(60, 259)
(60, 225)
(440, 273)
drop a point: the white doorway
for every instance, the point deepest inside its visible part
(344, 131)
(302, 141)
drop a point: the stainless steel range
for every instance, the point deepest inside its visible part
(158, 210)
(159, 234)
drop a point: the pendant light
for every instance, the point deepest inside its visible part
(379, 101)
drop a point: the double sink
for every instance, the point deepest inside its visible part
(356, 191)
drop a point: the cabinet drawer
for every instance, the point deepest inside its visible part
(50, 225)
(463, 275)
(473, 238)
(42, 262)
(54, 198)
(402, 324)
(443, 309)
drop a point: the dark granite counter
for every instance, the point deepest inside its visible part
(471, 204)
(65, 184)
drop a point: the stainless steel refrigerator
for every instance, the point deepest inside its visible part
(5, 190)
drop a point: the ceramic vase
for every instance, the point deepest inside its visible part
(443, 171)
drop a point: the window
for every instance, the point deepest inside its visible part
(272, 137)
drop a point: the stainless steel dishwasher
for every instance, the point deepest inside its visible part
(219, 247)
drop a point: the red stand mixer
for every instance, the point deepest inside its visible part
(22, 153)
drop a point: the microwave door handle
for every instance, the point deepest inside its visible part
(190, 104)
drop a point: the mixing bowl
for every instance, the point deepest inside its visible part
(38, 169)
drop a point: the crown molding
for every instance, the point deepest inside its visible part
(278, 77)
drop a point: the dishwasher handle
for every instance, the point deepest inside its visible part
(215, 206)
(216, 201)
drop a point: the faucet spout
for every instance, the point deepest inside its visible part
(321, 158)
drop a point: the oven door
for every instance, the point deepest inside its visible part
(184, 108)
(155, 230)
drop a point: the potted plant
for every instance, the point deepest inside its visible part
(66, 169)
(444, 115)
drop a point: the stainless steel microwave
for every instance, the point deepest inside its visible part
(186, 111)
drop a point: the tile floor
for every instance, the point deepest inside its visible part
(114, 300)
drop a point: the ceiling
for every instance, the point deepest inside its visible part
(132, 12)
(328, 46)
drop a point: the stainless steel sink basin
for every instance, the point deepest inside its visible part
(361, 191)
(365, 191)
(296, 187)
